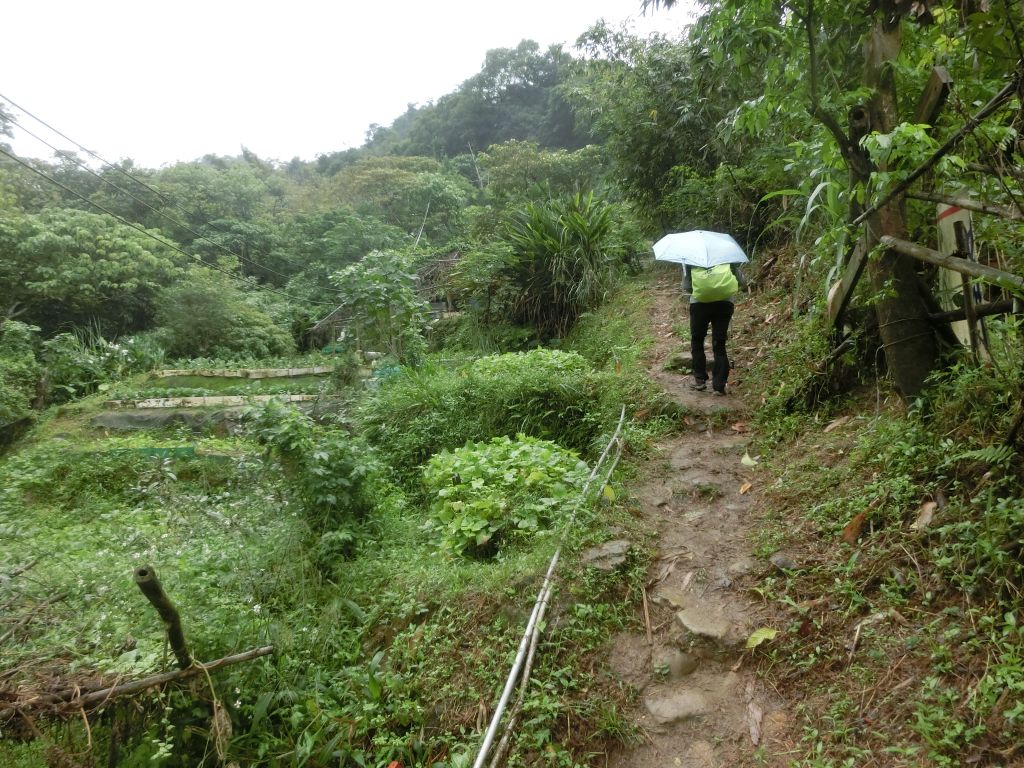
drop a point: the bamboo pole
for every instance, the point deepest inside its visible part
(145, 578)
(980, 310)
(73, 698)
(1007, 280)
(968, 204)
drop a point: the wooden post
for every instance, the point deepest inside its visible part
(841, 293)
(145, 578)
(934, 96)
(964, 250)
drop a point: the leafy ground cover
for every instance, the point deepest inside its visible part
(901, 591)
(386, 647)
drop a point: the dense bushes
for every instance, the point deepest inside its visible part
(80, 364)
(331, 473)
(485, 494)
(543, 393)
(207, 315)
(19, 371)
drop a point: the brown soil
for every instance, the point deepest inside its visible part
(699, 701)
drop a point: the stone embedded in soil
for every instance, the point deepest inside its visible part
(607, 556)
(671, 597)
(680, 361)
(704, 622)
(701, 754)
(679, 663)
(682, 458)
(676, 707)
(742, 567)
(782, 562)
(661, 499)
(225, 420)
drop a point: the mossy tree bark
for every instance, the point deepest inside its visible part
(911, 349)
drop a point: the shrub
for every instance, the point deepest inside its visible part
(378, 295)
(19, 371)
(566, 254)
(330, 471)
(206, 315)
(543, 393)
(485, 494)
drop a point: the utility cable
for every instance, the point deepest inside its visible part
(149, 234)
(157, 211)
(112, 166)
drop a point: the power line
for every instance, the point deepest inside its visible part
(137, 180)
(149, 234)
(158, 212)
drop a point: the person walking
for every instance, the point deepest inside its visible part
(712, 294)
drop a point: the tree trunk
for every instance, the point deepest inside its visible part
(909, 341)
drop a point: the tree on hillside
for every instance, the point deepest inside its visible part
(67, 268)
(198, 193)
(5, 124)
(643, 103)
(411, 193)
(514, 96)
(326, 242)
(515, 170)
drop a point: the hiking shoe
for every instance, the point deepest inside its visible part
(718, 392)
(700, 386)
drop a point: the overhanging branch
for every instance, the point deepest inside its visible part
(1004, 95)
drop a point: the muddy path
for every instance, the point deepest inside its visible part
(700, 702)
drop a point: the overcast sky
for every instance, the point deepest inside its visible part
(161, 82)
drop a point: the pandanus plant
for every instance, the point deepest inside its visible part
(565, 256)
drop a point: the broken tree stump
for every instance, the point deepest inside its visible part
(145, 578)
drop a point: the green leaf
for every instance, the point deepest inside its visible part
(761, 635)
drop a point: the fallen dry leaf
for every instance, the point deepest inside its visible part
(853, 528)
(924, 516)
(745, 487)
(754, 716)
(739, 426)
(836, 423)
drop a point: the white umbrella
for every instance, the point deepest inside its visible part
(699, 248)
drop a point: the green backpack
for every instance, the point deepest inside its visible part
(715, 284)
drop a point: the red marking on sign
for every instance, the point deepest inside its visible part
(948, 212)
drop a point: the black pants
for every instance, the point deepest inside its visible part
(717, 314)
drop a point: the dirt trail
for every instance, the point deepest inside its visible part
(700, 705)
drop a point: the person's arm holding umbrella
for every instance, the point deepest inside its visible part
(741, 279)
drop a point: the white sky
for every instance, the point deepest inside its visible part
(162, 82)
